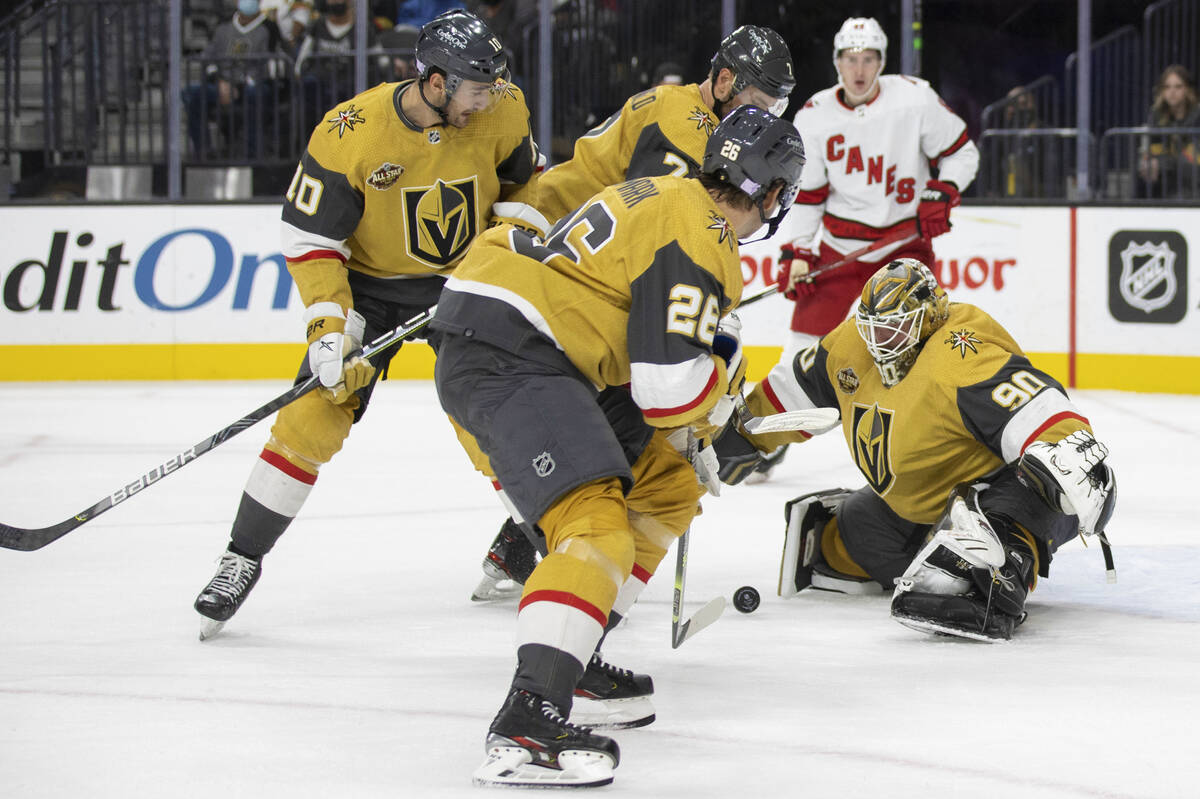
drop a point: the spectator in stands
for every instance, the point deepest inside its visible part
(667, 73)
(238, 79)
(292, 17)
(325, 60)
(508, 20)
(1167, 163)
(417, 12)
(400, 44)
(1021, 152)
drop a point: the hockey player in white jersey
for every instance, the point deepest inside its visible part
(873, 142)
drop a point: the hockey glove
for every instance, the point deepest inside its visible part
(1072, 477)
(933, 211)
(792, 282)
(335, 350)
(521, 215)
(727, 345)
(736, 455)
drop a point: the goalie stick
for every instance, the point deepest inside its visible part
(811, 420)
(27, 540)
(902, 237)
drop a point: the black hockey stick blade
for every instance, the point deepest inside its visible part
(27, 540)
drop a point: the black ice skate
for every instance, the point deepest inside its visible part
(531, 745)
(226, 591)
(508, 563)
(612, 698)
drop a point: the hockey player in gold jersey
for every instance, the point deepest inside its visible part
(978, 465)
(393, 187)
(662, 131)
(628, 290)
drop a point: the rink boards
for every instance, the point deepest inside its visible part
(1102, 297)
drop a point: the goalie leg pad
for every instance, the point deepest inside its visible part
(806, 518)
(965, 582)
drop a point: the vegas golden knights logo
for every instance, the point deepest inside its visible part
(440, 220)
(873, 446)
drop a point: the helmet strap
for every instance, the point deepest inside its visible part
(439, 110)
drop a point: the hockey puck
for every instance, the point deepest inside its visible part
(746, 599)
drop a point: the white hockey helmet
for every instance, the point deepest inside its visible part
(861, 33)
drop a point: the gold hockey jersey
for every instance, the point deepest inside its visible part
(661, 131)
(630, 287)
(377, 195)
(971, 403)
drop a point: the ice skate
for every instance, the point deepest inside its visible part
(612, 698)
(531, 745)
(508, 563)
(226, 592)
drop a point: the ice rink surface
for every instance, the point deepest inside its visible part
(359, 667)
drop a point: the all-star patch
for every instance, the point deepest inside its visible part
(962, 340)
(721, 225)
(345, 120)
(385, 176)
(847, 380)
(703, 120)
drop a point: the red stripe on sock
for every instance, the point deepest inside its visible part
(287, 467)
(565, 598)
(641, 573)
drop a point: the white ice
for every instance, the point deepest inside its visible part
(359, 667)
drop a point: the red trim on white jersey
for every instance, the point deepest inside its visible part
(684, 385)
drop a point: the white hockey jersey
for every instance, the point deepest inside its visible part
(867, 165)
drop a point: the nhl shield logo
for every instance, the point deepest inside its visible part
(543, 465)
(1148, 275)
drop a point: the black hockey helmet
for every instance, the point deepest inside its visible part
(461, 45)
(751, 149)
(758, 57)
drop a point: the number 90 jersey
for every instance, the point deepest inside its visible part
(630, 287)
(970, 403)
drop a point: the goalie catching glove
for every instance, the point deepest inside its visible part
(335, 350)
(1072, 477)
(933, 211)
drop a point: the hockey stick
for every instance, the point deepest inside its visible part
(901, 237)
(683, 629)
(27, 540)
(812, 420)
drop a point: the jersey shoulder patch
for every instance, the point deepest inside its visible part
(971, 346)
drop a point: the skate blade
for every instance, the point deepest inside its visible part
(512, 767)
(612, 714)
(937, 628)
(209, 628)
(492, 590)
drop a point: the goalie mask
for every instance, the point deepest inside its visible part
(902, 306)
(857, 34)
(459, 44)
(753, 150)
(757, 57)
